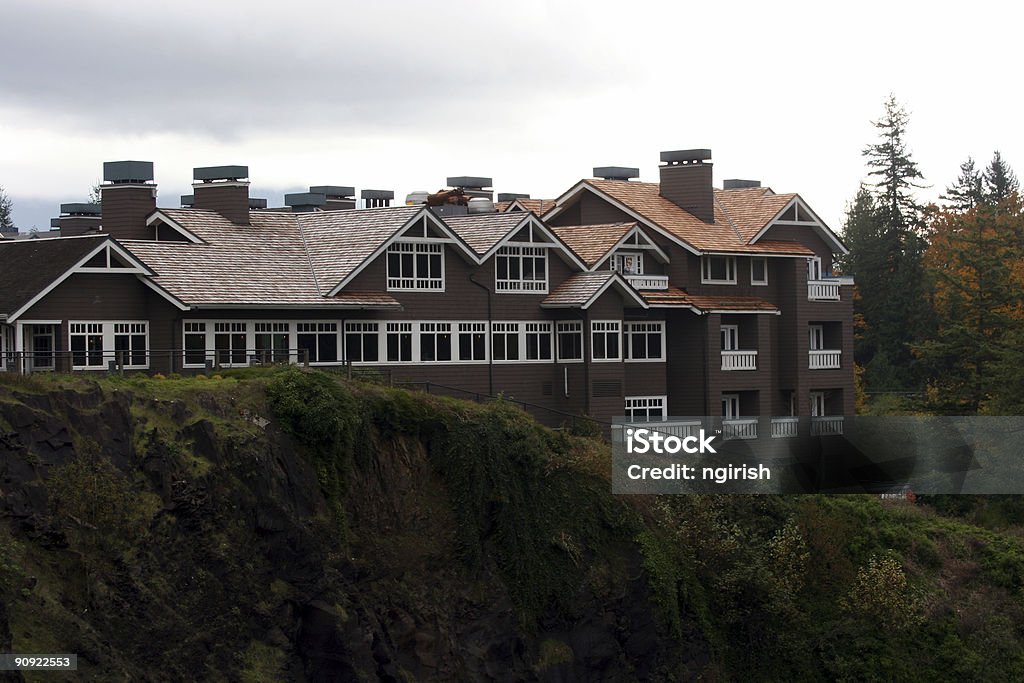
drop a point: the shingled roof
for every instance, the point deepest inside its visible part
(675, 297)
(30, 266)
(482, 231)
(580, 290)
(593, 242)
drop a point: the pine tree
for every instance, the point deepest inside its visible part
(6, 206)
(1000, 180)
(966, 192)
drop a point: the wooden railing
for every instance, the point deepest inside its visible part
(648, 281)
(739, 428)
(739, 360)
(784, 427)
(827, 425)
(824, 359)
(823, 290)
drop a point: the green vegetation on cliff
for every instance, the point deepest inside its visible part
(293, 525)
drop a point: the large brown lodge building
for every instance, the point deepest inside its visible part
(617, 298)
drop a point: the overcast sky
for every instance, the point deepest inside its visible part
(399, 95)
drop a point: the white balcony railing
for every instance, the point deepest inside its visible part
(823, 290)
(739, 428)
(827, 425)
(824, 359)
(739, 360)
(648, 281)
(784, 427)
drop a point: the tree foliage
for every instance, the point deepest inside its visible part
(6, 207)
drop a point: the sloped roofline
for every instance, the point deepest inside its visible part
(159, 215)
(819, 225)
(616, 280)
(532, 218)
(632, 231)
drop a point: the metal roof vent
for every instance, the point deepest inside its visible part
(474, 186)
(737, 184)
(686, 156)
(334, 191)
(127, 172)
(304, 202)
(416, 198)
(479, 205)
(616, 172)
(373, 199)
(511, 196)
(256, 203)
(209, 174)
(188, 201)
(80, 209)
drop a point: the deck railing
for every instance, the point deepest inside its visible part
(739, 360)
(648, 281)
(785, 427)
(824, 359)
(739, 428)
(827, 425)
(823, 290)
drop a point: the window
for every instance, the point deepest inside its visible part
(271, 342)
(758, 271)
(814, 268)
(435, 342)
(604, 340)
(730, 406)
(86, 345)
(399, 342)
(229, 341)
(718, 270)
(628, 263)
(645, 408)
(42, 347)
(362, 342)
(570, 340)
(415, 266)
(505, 341)
(521, 269)
(818, 404)
(317, 342)
(816, 337)
(130, 344)
(730, 337)
(195, 343)
(538, 341)
(645, 341)
(472, 341)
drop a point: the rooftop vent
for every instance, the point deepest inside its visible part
(334, 191)
(373, 199)
(187, 200)
(305, 202)
(511, 196)
(80, 209)
(255, 203)
(416, 198)
(686, 156)
(77, 219)
(737, 184)
(616, 172)
(209, 174)
(480, 205)
(127, 172)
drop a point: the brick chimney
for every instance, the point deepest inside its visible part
(224, 189)
(686, 181)
(78, 219)
(127, 197)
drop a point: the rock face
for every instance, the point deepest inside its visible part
(221, 557)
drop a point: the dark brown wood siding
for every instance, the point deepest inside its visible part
(125, 209)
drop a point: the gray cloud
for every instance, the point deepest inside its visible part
(228, 73)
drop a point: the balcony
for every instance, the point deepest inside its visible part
(785, 427)
(739, 428)
(824, 359)
(827, 425)
(823, 290)
(739, 360)
(648, 281)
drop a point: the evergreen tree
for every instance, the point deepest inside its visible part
(6, 220)
(1000, 180)
(966, 192)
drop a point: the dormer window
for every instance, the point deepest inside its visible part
(628, 263)
(519, 267)
(718, 270)
(415, 266)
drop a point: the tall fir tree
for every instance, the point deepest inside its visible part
(967, 191)
(6, 207)
(886, 259)
(1000, 180)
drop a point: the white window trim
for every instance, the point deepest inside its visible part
(818, 406)
(210, 350)
(814, 269)
(759, 283)
(662, 403)
(733, 332)
(107, 332)
(627, 330)
(618, 324)
(705, 270)
(504, 286)
(521, 341)
(623, 253)
(430, 246)
(815, 333)
(733, 399)
(578, 329)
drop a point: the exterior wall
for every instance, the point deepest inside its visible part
(805, 236)
(591, 210)
(125, 209)
(230, 200)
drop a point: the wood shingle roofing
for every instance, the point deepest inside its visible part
(593, 242)
(30, 266)
(482, 231)
(674, 296)
(580, 290)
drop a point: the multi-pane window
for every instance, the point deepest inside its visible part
(604, 340)
(415, 265)
(570, 340)
(272, 342)
(521, 269)
(195, 343)
(130, 344)
(472, 341)
(362, 342)
(645, 341)
(86, 345)
(435, 342)
(645, 408)
(759, 271)
(538, 341)
(816, 337)
(730, 406)
(628, 263)
(399, 342)
(229, 340)
(505, 341)
(317, 342)
(718, 269)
